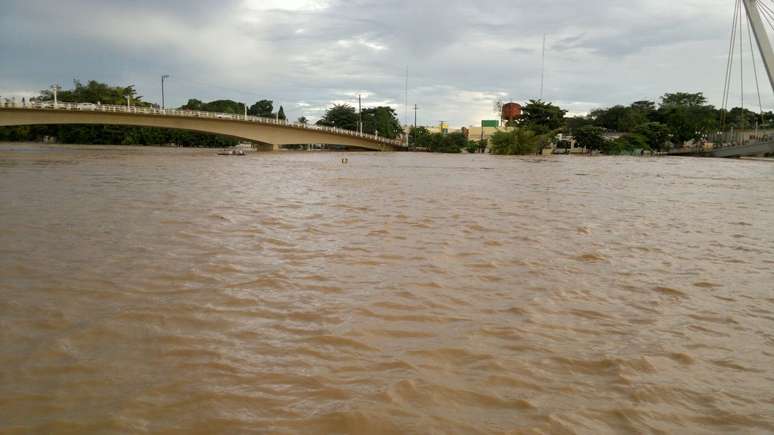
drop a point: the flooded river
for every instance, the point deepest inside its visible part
(174, 291)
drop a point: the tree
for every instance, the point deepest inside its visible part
(625, 144)
(340, 116)
(382, 119)
(684, 99)
(609, 118)
(281, 114)
(447, 143)
(95, 92)
(574, 123)
(541, 117)
(303, 120)
(262, 108)
(656, 135)
(518, 141)
(482, 144)
(590, 137)
(741, 118)
(644, 106)
(687, 115)
(622, 118)
(419, 137)
(219, 106)
(193, 104)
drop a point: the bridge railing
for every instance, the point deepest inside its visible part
(725, 140)
(90, 107)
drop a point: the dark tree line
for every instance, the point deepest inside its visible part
(380, 120)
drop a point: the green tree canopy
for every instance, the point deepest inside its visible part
(419, 137)
(590, 137)
(626, 144)
(541, 117)
(340, 116)
(95, 92)
(281, 114)
(447, 143)
(740, 118)
(382, 119)
(574, 123)
(656, 135)
(687, 115)
(684, 99)
(262, 108)
(219, 106)
(619, 118)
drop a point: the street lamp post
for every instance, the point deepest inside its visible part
(163, 77)
(55, 87)
(359, 114)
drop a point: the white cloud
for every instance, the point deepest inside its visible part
(287, 5)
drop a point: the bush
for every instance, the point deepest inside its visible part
(590, 138)
(447, 143)
(626, 144)
(519, 141)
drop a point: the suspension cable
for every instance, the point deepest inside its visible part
(755, 70)
(730, 64)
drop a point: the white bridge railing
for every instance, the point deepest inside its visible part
(89, 107)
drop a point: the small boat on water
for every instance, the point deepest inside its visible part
(231, 153)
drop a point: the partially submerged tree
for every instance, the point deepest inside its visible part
(590, 137)
(519, 141)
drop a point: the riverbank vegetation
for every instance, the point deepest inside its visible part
(643, 125)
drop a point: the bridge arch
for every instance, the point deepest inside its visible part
(266, 131)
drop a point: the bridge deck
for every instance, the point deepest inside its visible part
(737, 150)
(85, 108)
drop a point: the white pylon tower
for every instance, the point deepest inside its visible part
(761, 37)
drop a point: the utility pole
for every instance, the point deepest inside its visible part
(543, 68)
(163, 77)
(414, 129)
(359, 114)
(405, 100)
(761, 36)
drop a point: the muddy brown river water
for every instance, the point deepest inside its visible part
(173, 291)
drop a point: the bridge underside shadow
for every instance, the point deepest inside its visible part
(268, 136)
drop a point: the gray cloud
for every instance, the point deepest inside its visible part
(308, 54)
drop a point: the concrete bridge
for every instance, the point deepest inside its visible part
(745, 149)
(269, 132)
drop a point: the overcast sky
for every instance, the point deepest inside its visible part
(462, 55)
